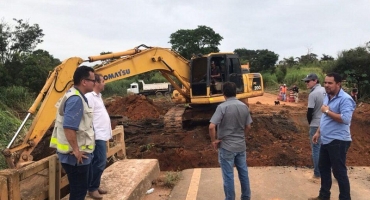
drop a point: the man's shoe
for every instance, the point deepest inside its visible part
(101, 191)
(95, 195)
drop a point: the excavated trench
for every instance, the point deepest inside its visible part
(279, 135)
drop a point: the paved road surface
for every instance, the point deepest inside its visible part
(267, 183)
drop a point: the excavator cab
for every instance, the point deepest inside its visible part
(227, 66)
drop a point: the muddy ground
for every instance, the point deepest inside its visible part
(279, 135)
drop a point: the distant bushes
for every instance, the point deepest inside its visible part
(290, 76)
(8, 126)
(16, 97)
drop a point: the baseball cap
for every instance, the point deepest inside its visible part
(311, 77)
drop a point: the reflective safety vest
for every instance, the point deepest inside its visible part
(85, 134)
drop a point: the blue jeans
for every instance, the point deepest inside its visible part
(97, 165)
(333, 156)
(78, 180)
(315, 151)
(227, 159)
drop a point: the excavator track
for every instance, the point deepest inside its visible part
(173, 119)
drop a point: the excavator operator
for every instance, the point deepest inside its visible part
(215, 77)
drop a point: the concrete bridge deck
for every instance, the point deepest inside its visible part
(130, 179)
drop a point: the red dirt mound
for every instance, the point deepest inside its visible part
(135, 107)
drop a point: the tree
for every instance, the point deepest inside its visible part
(260, 60)
(36, 68)
(202, 40)
(354, 66)
(17, 40)
(326, 58)
(289, 61)
(308, 58)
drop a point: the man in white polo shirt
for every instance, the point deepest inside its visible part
(103, 132)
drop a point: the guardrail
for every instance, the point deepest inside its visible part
(43, 179)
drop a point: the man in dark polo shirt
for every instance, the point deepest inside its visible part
(233, 120)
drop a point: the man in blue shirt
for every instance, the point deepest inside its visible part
(73, 135)
(334, 132)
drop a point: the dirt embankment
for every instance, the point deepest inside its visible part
(279, 134)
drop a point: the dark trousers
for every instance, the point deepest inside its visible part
(97, 165)
(333, 157)
(78, 180)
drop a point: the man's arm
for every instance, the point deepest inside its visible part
(73, 112)
(315, 138)
(72, 140)
(212, 133)
(346, 110)
(309, 115)
(216, 119)
(246, 129)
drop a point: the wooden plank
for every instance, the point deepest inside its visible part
(42, 195)
(58, 177)
(114, 150)
(52, 177)
(121, 140)
(3, 188)
(34, 168)
(120, 147)
(63, 181)
(13, 183)
(117, 130)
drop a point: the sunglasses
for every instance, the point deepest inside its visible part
(307, 81)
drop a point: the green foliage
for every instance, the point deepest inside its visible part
(326, 58)
(17, 40)
(19, 64)
(8, 126)
(259, 60)
(269, 80)
(293, 76)
(16, 97)
(157, 78)
(29, 70)
(289, 61)
(117, 87)
(354, 66)
(280, 76)
(171, 179)
(308, 58)
(202, 40)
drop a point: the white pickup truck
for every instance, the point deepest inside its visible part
(150, 89)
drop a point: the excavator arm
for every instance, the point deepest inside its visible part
(125, 64)
(167, 62)
(58, 82)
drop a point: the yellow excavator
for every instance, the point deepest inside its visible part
(191, 79)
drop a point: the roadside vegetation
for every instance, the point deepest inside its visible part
(24, 69)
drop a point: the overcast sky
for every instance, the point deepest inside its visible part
(84, 28)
